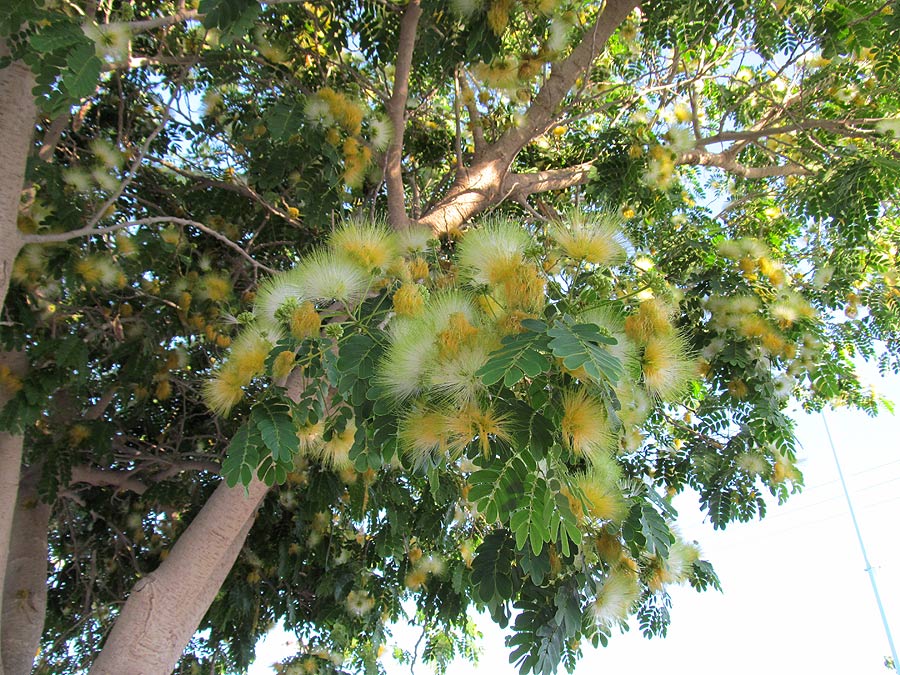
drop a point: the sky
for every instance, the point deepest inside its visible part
(796, 595)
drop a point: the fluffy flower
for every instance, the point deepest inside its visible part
(414, 239)
(666, 366)
(370, 245)
(616, 597)
(215, 287)
(409, 300)
(98, 270)
(304, 321)
(111, 41)
(327, 275)
(246, 361)
(359, 603)
(273, 294)
(585, 426)
(455, 378)
(600, 486)
(652, 318)
(379, 133)
(889, 127)
(466, 8)
(335, 453)
(593, 237)
(490, 253)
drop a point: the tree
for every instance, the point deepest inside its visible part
(471, 290)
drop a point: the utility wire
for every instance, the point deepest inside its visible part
(887, 628)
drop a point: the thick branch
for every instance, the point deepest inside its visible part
(105, 478)
(10, 464)
(143, 25)
(518, 185)
(481, 185)
(726, 162)
(396, 108)
(17, 118)
(563, 76)
(841, 127)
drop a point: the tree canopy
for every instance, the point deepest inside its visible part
(461, 293)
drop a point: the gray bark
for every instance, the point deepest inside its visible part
(10, 463)
(17, 119)
(25, 587)
(165, 608)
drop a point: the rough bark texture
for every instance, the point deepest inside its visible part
(17, 118)
(165, 608)
(25, 587)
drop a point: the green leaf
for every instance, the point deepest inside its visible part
(80, 78)
(276, 428)
(583, 345)
(529, 522)
(232, 17)
(272, 472)
(646, 528)
(58, 36)
(495, 490)
(519, 357)
(242, 456)
(284, 119)
(71, 352)
(492, 568)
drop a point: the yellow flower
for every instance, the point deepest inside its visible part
(585, 426)
(78, 434)
(652, 318)
(216, 287)
(370, 245)
(10, 383)
(335, 453)
(490, 254)
(603, 497)
(408, 300)
(163, 390)
(593, 237)
(283, 364)
(305, 321)
(666, 367)
(616, 597)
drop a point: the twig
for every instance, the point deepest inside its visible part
(57, 237)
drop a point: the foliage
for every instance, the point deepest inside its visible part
(496, 414)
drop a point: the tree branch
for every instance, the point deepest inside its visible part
(480, 186)
(563, 76)
(726, 162)
(106, 478)
(239, 188)
(396, 108)
(57, 237)
(519, 185)
(842, 127)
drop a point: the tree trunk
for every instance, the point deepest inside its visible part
(10, 463)
(25, 591)
(17, 119)
(165, 608)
